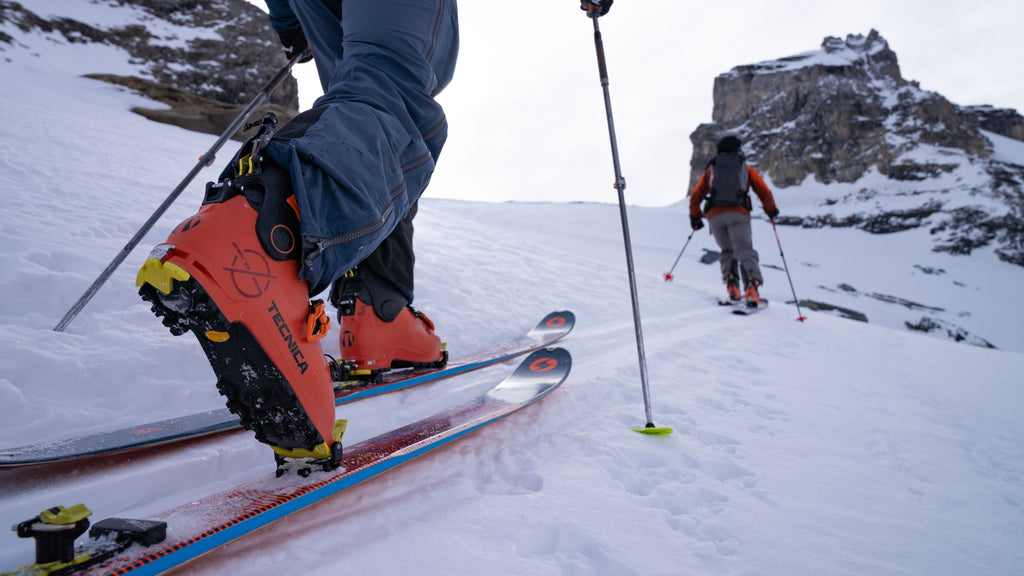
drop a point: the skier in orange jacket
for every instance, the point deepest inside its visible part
(726, 186)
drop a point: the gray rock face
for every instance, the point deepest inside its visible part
(220, 51)
(844, 112)
(1002, 121)
(832, 114)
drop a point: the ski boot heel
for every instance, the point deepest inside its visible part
(252, 317)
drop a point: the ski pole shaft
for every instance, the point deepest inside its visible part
(620, 186)
(668, 275)
(204, 161)
(799, 316)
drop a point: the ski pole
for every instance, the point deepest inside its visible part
(204, 161)
(668, 275)
(620, 185)
(799, 316)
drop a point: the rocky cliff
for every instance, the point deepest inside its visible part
(206, 59)
(844, 115)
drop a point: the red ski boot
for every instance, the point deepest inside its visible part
(734, 292)
(370, 346)
(752, 297)
(230, 275)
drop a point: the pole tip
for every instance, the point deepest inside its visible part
(652, 430)
(668, 277)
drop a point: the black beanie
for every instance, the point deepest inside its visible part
(729, 144)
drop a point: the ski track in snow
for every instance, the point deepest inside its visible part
(823, 447)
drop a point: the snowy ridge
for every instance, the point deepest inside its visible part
(855, 49)
(825, 447)
(216, 49)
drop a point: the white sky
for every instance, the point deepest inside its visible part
(526, 112)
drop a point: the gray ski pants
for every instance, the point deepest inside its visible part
(732, 233)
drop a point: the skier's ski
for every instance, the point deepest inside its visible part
(208, 523)
(745, 310)
(552, 328)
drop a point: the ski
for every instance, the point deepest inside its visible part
(549, 330)
(177, 536)
(744, 310)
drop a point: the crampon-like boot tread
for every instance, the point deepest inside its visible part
(255, 389)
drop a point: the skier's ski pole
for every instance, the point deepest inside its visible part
(668, 275)
(799, 316)
(620, 185)
(204, 161)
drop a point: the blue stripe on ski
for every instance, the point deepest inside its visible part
(423, 378)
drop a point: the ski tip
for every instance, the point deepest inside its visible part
(559, 319)
(654, 431)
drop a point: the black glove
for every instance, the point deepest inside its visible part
(772, 213)
(696, 222)
(601, 6)
(294, 42)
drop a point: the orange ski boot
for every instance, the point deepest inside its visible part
(752, 297)
(230, 275)
(734, 292)
(397, 337)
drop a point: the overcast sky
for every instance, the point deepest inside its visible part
(526, 110)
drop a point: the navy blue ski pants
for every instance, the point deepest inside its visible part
(362, 156)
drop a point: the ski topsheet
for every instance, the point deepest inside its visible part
(207, 523)
(744, 309)
(741, 306)
(552, 328)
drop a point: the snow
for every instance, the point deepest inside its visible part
(110, 14)
(834, 52)
(1005, 149)
(801, 448)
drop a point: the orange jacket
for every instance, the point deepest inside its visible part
(754, 180)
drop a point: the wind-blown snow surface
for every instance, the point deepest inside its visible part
(824, 447)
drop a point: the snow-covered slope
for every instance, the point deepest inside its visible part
(824, 447)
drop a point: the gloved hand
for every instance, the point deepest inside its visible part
(601, 6)
(696, 222)
(772, 213)
(294, 42)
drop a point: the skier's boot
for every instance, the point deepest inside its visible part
(230, 275)
(732, 281)
(751, 295)
(735, 295)
(380, 330)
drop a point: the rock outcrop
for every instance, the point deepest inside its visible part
(843, 113)
(205, 58)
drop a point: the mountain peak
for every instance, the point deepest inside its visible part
(843, 114)
(871, 44)
(858, 53)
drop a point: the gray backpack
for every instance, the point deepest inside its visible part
(729, 180)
